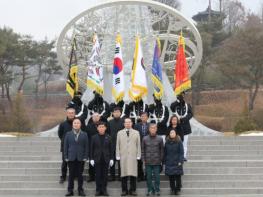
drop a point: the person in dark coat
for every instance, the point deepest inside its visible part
(76, 152)
(173, 161)
(135, 109)
(152, 156)
(143, 128)
(176, 126)
(98, 105)
(184, 113)
(91, 130)
(80, 108)
(159, 114)
(122, 106)
(115, 125)
(63, 128)
(101, 157)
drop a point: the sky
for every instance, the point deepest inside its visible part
(46, 18)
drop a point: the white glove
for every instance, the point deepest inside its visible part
(111, 163)
(92, 163)
(138, 158)
(118, 158)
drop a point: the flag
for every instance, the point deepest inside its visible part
(138, 87)
(157, 71)
(182, 76)
(95, 68)
(72, 84)
(118, 73)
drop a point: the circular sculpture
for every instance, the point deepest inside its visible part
(146, 18)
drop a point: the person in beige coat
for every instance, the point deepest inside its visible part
(128, 151)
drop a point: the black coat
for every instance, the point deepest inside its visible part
(173, 155)
(114, 126)
(63, 128)
(99, 150)
(138, 127)
(81, 111)
(121, 105)
(99, 105)
(157, 110)
(76, 149)
(180, 108)
(137, 108)
(178, 130)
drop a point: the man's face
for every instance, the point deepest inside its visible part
(101, 129)
(96, 117)
(127, 123)
(76, 124)
(116, 114)
(153, 130)
(71, 114)
(144, 117)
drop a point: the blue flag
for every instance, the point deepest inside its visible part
(157, 71)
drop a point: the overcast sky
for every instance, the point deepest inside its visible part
(47, 18)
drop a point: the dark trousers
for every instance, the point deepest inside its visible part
(140, 169)
(75, 170)
(153, 171)
(113, 168)
(124, 183)
(91, 172)
(101, 171)
(177, 179)
(64, 167)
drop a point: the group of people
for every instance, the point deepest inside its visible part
(136, 138)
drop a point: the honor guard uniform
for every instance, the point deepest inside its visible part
(159, 114)
(135, 110)
(97, 104)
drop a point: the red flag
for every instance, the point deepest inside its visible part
(181, 75)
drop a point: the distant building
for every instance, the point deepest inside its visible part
(204, 16)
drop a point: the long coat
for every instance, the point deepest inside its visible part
(173, 155)
(128, 149)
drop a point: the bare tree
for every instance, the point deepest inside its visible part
(240, 58)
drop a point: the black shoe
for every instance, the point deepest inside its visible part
(69, 194)
(124, 193)
(158, 194)
(82, 193)
(62, 180)
(98, 194)
(185, 160)
(176, 192)
(91, 180)
(133, 193)
(105, 194)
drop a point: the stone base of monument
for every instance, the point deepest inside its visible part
(217, 166)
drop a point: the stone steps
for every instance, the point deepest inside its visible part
(217, 166)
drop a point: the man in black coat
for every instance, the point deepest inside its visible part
(97, 104)
(63, 128)
(76, 152)
(101, 157)
(80, 108)
(159, 114)
(143, 128)
(184, 113)
(115, 125)
(91, 130)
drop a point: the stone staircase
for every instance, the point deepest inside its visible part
(217, 166)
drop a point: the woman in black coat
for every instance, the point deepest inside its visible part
(173, 160)
(174, 124)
